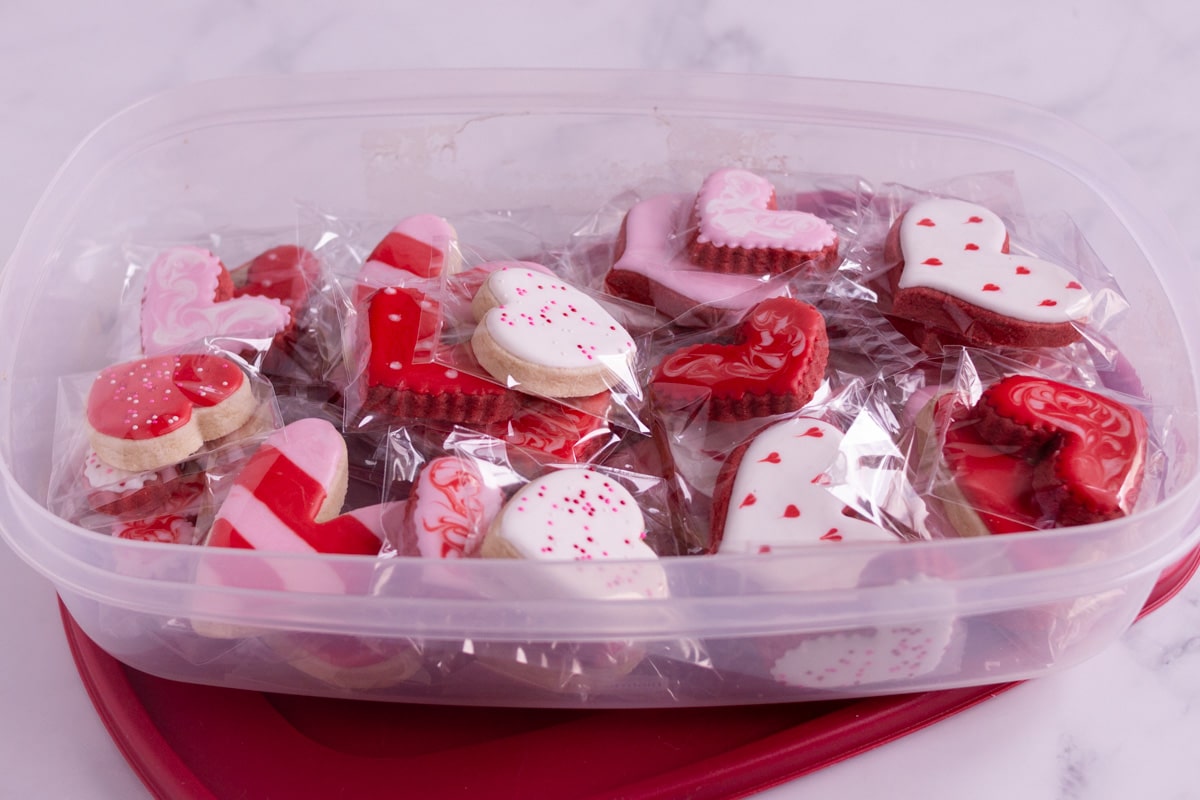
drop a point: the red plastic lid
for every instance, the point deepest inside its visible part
(188, 742)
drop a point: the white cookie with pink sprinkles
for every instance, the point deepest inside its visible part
(579, 515)
(542, 336)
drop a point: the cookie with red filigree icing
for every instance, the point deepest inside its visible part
(165, 528)
(146, 414)
(546, 337)
(772, 492)
(1035, 453)
(449, 509)
(958, 281)
(773, 366)
(741, 230)
(189, 296)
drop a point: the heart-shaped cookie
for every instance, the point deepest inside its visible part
(146, 414)
(449, 509)
(421, 246)
(774, 366)
(739, 228)
(286, 273)
(188, 296)
(546, 337)
(288, 496)
(772, 492)
(958, 278)
(1035, 453)
(401, 383)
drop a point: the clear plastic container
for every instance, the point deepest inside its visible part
(239, 153)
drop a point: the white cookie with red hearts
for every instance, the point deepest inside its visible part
(579, 514)
(542, 336)
(772, 493)
(958, 278)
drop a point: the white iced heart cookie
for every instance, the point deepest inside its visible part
(778, 495)
(579, 515)
(864, 657)
(958, 277)
(545, 337)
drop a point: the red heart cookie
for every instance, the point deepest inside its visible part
(146, 414)
(739, 228)
(188, 297)
(774, 367)
(403, 324)
(286, 273)
(1035, 453)
(957, 278)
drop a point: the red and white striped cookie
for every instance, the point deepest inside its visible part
(287, 499)
(146, 414)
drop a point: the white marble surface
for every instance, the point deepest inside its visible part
(1122, 725)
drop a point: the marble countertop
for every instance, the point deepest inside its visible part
(1121, 725)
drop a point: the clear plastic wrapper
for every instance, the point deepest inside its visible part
(984, 273)
(1004, 447)
(90, 490)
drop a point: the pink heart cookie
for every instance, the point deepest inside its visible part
(188, 297)
(288, 496)
(957, 278)
(146, 414)
(772, 493)
(652, 267)
(741, 230)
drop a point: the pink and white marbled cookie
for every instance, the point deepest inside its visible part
(450, 508)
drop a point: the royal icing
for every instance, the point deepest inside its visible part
(450, 508)
(280, 499)
(560, 431)
(403, 325)
(675, 284)
(180, 304)
(168, 529)
(736, 208)
(960, 248)
(286, 273)
(860, 658)
(781, 350)
(151, 397)
(540, 319)
(779, 495)
(578, 514)
(421, 246)
(1058, 450)
(100, 475)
